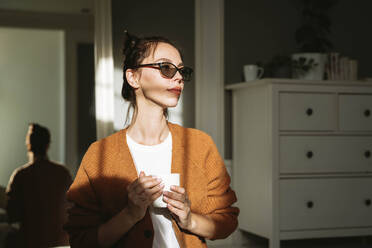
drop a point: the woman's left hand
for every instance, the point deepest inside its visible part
(179, 206)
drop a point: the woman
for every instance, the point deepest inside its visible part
(113, 189)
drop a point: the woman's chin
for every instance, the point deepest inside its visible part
(171, 103)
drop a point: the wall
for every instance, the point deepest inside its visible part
(52, 6)
(351, 33)
(32, 89)
(164, 18)
(77, 29)
(258, 30)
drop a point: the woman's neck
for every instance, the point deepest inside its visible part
(148, 131)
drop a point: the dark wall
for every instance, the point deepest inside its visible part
(258, 30)
(171, 19)
(351, 32)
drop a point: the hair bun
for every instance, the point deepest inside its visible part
(130, 42)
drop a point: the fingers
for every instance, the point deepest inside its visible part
(154, 189)
(178, 189)
(150, 195)
(141, 177)
(145, 189)
(140, 180)
(156, 195)
(179, 213)
(175, 203)
(177, 193)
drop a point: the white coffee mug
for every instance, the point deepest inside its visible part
(252, 72)
(168, 180)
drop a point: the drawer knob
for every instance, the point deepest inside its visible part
(309, 154)
(310, 204)
(367, 113)
(309, 111)
(367, 154)
(368, 202)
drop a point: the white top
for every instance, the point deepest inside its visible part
(154, 160)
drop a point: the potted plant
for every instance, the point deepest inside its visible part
(306, 67)
(278, 67)
(312, 39)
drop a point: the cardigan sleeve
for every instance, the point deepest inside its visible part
(84, 215)
(220, 196)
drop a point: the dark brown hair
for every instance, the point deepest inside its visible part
(39, 139)
(135, 50)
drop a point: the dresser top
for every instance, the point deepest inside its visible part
(266, 81)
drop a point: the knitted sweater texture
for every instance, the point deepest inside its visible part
(99, 189)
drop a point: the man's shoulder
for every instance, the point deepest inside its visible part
(21, 169)
(59, 167)
(17, 176)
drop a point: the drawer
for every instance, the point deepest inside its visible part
(325, 154)
(307, 204)
(307, 111)
(356, 112)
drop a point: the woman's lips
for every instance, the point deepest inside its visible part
(175, 91)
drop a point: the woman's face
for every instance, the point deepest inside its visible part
(155, 87)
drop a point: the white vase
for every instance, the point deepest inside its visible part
(315, 73)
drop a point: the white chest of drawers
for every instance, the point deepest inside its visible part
(302, 163)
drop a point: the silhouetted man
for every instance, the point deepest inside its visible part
(36, 194)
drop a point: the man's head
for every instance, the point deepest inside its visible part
(37, 139)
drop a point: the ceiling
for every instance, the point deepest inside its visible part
(51, 6)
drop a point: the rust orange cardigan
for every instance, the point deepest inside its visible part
(99, 189)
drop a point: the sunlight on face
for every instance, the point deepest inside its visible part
(155, 87)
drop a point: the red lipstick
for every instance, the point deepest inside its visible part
(176, 90)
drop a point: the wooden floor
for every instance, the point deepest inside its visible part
(355, 242)
(317, 243)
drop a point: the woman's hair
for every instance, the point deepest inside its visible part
(136, 49)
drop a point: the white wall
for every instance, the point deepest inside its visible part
(32, 86)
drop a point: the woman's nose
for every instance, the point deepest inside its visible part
(178, 76)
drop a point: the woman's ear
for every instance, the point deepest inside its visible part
(131, 78)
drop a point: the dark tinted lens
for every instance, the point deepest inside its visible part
(168, 70)
(186, 73)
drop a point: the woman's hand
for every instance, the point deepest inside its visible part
(179, 206)
(141, 193)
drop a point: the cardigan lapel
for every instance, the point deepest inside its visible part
(127, 159)
(178, 166)
(178, 158)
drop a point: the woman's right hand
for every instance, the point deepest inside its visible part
(141, 193)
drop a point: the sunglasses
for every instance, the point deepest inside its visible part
(168, 70)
